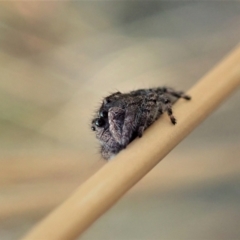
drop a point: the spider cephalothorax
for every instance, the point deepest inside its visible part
(124, 116)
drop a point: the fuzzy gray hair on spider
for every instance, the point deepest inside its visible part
(124, 116)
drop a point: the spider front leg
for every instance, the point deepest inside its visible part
(130, 124)
(122, 123)
(116, 117)
(106, 153)
(109, 152)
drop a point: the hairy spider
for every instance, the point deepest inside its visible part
(124, 116)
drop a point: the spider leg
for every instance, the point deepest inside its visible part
(116, 116)
(177, 94)
(167, 105)
(122, 123)
(130, 123)
(106, 153)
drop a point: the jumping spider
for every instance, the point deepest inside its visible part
(124, 116)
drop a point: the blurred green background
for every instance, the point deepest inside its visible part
(59, 59)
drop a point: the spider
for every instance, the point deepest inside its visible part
(124, 116)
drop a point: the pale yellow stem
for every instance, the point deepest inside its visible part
(103, 189)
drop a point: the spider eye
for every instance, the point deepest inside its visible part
(103, 114)
(93, 128)
(100, 122)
